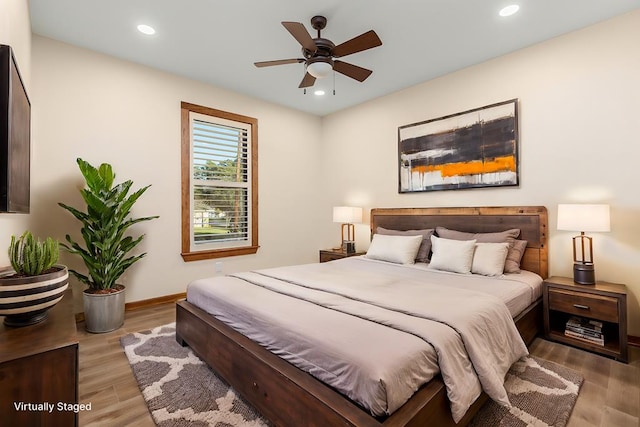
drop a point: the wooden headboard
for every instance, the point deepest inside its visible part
(531, 220)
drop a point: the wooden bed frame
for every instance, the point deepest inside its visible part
(289, 396)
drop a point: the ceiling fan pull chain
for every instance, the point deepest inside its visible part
(334, 83)
(304, 74)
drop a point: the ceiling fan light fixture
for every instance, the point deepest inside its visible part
(319, 69)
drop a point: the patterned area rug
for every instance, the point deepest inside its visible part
(541, 393)
(181, 390)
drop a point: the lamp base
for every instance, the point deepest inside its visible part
(584, 274)
(349, 246)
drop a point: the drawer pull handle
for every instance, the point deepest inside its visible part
(581, 307)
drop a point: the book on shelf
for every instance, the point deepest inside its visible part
(585, 329)
(585, 338)
(594, 325)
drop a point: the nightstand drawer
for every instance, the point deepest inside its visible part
(599, 307)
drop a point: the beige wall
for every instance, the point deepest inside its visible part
(579, 100)
(107, 110)
(15, 31)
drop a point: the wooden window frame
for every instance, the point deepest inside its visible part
(186, 173)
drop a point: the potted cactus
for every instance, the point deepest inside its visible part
(34, 283)
(105, 249)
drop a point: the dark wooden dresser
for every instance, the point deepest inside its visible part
(39, 364)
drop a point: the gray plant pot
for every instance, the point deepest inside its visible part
(103, 312)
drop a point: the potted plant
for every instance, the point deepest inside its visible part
(34, 283)
(106, 247)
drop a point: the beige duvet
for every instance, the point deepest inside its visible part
(374, 331)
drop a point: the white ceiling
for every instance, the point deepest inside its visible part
(217, 41)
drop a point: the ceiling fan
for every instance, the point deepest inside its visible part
(320, 53)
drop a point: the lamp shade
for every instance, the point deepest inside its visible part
(583, 217)
(319, 69)
(347, 214)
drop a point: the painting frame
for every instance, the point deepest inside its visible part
(477, 148)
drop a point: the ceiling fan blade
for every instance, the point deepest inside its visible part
(307, 81)
(278, 62)
(362, 42)
(300, 33)
(358, 73)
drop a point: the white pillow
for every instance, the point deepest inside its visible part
(398, 249)
(489, 258)
(452, 255)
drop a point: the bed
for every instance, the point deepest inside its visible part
(268, 381)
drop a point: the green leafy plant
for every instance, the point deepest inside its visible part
(30, 256)
(106, 248)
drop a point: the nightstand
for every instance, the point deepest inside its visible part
(331, 254)
(604, 302)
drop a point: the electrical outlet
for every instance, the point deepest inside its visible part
(218, 266)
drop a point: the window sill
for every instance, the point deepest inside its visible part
(219, 253)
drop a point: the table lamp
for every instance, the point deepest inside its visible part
(583, 218)
(347, 215)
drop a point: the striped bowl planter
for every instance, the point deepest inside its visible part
(25, 300)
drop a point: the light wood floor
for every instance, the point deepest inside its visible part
(610, 395)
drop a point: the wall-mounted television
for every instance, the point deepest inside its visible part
(15, 136)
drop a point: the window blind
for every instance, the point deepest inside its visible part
(221, 177)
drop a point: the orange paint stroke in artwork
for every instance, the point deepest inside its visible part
(499, 164)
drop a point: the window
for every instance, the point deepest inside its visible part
(219, 183)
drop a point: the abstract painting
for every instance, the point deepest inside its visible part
(475, 148)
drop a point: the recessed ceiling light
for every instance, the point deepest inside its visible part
(146, 29)
(509, 10)
(318, 92)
